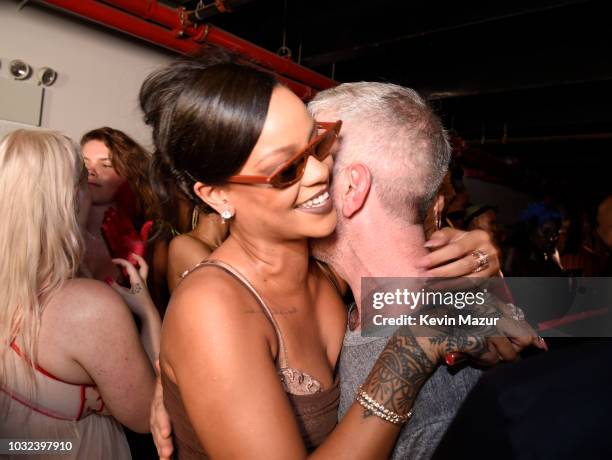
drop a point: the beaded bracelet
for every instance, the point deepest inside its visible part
(379, 410)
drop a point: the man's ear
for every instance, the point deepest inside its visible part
(358, 180)
(215, 197)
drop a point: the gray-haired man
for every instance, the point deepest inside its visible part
(392, 156)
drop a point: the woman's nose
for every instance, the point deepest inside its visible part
(316, 171)
(91, 172)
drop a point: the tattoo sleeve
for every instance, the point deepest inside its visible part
(398, 374)
(403, 367)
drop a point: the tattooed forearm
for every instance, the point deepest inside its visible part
(412, 354)
(403, 367)
(136, 288)
(470, 345)
(398, 374)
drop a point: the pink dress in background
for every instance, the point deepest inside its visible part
(56, 410)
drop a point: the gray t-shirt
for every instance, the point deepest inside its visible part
(434, 408)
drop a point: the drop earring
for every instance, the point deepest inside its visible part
(195, 216)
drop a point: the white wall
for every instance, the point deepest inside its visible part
(100, 71)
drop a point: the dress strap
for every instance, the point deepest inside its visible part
(282, 350)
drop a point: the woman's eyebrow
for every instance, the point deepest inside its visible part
(278, 151)
(291, 148)
(86, 158)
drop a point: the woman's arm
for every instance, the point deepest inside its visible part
(139, 300)
(106, 345)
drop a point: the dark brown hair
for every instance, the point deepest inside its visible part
(207, 113)
(131, 162)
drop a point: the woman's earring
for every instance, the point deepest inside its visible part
(195, 216)
(226, 215)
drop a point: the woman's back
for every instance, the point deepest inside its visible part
(88, 352)
(73, 414)
(67, 338)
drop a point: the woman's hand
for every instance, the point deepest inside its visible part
(137, 296)
(140, 303)
(161, 428)
(457, 253)
(510, 335)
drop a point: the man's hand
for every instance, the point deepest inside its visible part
(161, 429)
(457, 253)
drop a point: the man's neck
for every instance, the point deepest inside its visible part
(392, 252)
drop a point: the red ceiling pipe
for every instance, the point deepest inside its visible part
(177, 20)
(151, 10)
(124, 22)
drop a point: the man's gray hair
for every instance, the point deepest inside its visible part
(393, 131)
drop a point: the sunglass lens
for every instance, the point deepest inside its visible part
(322, 149)
(289, 174)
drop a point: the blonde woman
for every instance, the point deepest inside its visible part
(72, 364)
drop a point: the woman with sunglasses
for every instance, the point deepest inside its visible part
(252, 335)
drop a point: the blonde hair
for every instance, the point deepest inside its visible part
(40, 238)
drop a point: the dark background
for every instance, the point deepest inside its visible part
(527, 83)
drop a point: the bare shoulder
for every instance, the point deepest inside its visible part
(210, 291)
(187, 245)
(184, 252)
(211, 303)
(83, 325)
(82, 302)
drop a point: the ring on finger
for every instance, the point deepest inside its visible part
(516, 313)
(481, 259)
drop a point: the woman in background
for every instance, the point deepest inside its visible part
(207, 233)
(70, 354)
(118, 170)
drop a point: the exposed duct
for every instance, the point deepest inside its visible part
(170, 28)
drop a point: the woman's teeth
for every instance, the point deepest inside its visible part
(315, 202)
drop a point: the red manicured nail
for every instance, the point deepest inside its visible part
(453, 358)
(543, 343)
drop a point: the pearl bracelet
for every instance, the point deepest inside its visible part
(379, 410)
